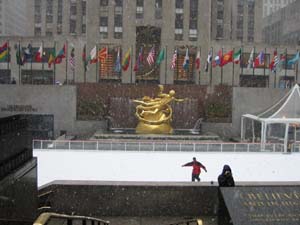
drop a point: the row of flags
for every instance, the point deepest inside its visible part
(24, 55)
(235, 57)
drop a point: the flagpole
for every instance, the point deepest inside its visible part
(285, 71)
(54, 64)
(66, 45)
(241, 61)
(232, 79)
(297, 69)
(265, 66)
(210, 71)
(19, 49)
(31, 61)
(42, 57)
(177, 67)
(8, 55)
(97, 62)
(166, 64)
(253, 69)
(221, 67)
(84, 63)
(131, 64)
(200, 66)
(275, 69)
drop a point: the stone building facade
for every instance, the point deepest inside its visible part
(13, 18)
(187, 27)
(282, 27)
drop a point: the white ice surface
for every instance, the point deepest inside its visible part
(162, 166)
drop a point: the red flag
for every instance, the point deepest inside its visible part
(39, 54)
(197, 62)
(227, 58)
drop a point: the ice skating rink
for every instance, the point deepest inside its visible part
(162, 166)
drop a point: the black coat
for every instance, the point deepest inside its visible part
(225, 179)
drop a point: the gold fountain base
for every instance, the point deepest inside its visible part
(145, 128)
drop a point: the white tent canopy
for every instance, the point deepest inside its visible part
(277, 123)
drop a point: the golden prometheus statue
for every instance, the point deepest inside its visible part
(155, 114)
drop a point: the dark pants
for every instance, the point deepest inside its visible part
(195, 177)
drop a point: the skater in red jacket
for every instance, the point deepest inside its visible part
(196, 169)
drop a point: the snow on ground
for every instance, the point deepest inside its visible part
(162, 166)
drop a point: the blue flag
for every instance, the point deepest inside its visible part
(294, 60)
(186, 60)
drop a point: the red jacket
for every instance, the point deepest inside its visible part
(196, 167)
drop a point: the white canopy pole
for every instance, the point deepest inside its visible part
(253, 133)
(286, 137)
(242, 129)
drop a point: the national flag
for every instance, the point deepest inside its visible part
(250, 60)
(118, 62)
(51, 59)
(93, 55)
(272, 63)
(84, 60)
(218, 58)
(4, 52)
(208, 60)
(174, 59)
(227, 58)
(260, 59)
(39, 54)
(126, 60)
(60, 55)
(161, 57)
(237, 56)
(139, 60)
(282, 61)
(72, 59)
(197, 61)
(186, 60)
(19, 55)
(102, 54)
(294, 59)
(150, 57)
(27, 54)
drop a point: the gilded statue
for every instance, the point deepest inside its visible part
(155, 114)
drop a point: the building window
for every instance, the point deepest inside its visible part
(158, 9)
(119, 3)
(179, 27)
(83, 8)
(83, 28)
(49, 11)
(49, 33)
(193, 26)
(179, 4)
(103, 26)
(180, 74)
(140, 9)
(118, 26)
(72, 26)
(37, 31)
(103, 2)
(73, 9)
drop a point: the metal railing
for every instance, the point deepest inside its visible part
(155, 146)
(55, 218)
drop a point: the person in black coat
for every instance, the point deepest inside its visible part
(225, 179)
